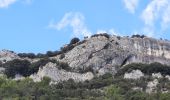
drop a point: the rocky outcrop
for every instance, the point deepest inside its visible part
(157, 75)
(100, 54)
(50, 70)
(108, 54)
(135, 74)
(6, 55)
(152, 86)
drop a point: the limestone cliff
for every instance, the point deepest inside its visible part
(105, 54)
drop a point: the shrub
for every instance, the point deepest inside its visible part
(17, 67)
(106, 46)
(136, 95)
(74, 41)
(52, 53)
(104, 34)
(138, 36)
(65, 66)
(40, 55)
(145, 68)
(62, 56)
(118, 37)
(114, 93)
(29, 55)
(67, 48)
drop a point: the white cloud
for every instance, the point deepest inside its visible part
(157, 11)
(166, 18)
(27, 1)
(6, 3)
(131, 5)
(75, 20)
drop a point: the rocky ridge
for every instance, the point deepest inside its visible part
(101, 54)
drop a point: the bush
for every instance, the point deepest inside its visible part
(52, 53)
(67, 48)
(114, 93)
(145, 68)
(62, 56)
(138, 36)
(29, 55)
(65, 66)
(40, 55)
(74, 41)
(17, 67)
(104, 34)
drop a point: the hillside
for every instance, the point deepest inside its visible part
(103, 66)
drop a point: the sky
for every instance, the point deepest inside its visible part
(41, 25)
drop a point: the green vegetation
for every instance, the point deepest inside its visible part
(74, 40)
(100, 88)
(25, 68)
(105, 87)
(138, 36)
(147, 69)
(63, 50)
(103, 34)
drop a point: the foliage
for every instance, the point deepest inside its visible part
(114, 93)
(29, 55)
(104, 34)
(145, 68)
(62, 56)
(52, 53)
(65, 66)
(17, 67)
(104, 87)
(25, 68)
(138, 36)
(74, 40)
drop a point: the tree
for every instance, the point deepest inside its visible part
(74, 40)
(17, 67)
(114, 93)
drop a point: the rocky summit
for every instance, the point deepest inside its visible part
(106, 54)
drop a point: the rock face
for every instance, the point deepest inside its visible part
(50, 70)
(101, 54)
(6, 55)
(135, 74)
(152, 85)
(107, 54)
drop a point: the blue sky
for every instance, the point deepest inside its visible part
(42, 25)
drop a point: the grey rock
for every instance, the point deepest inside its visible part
(50, 70)
(102, 53)
(6, 55)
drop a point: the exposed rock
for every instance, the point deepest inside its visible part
(6, 55)
(137, 88)
(18, 77)
(99, 52)
(152, 86)
(135, 74)
(157, 75)
(2, 71)
(50, 70)
(102, 54)
(168, 77)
